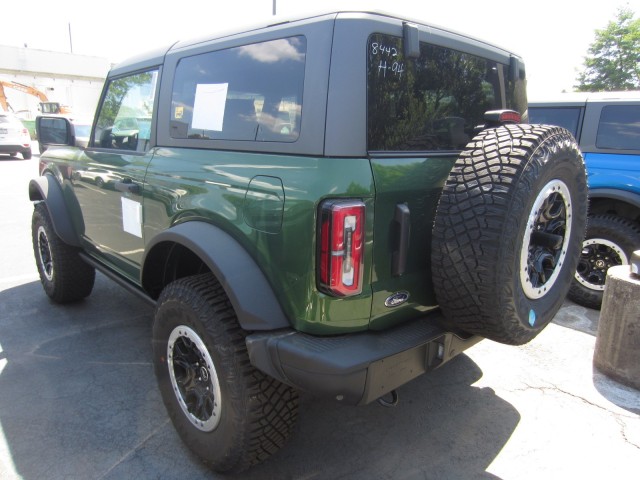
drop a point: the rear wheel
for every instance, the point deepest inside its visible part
(610, 241)
(230, 414)
(26, 154)
(65, 277)
(508, 231)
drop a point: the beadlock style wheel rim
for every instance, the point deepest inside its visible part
(598, 255)
(546, 239)
(194, 378)
(44, 254)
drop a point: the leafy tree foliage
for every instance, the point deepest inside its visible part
(614, 57)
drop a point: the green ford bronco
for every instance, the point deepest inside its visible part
(336, 204)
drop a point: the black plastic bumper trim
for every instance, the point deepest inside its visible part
(356, 368)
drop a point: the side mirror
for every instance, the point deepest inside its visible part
(54, 130)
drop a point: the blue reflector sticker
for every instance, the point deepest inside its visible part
(532, 318)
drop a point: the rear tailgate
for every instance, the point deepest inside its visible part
(407, 192)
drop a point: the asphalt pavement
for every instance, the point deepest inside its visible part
(78, 398)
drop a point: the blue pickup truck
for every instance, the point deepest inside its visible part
(607, 127)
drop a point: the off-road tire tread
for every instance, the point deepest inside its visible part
(73, 278)
(269, 408)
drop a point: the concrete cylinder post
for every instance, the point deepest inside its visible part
(617, 350)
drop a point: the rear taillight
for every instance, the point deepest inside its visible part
(341, 247)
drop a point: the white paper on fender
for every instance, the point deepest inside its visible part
(132, 217)
(208, 107)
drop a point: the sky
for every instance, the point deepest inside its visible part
(552, 36)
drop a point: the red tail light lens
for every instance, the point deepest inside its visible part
(510, 117)
(341, 247)
(502, 117)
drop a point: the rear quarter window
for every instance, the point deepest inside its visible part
(252, 92)
(619, 128)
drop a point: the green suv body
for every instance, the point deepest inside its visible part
(276, 191)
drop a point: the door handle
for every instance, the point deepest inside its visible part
(127, 186)
(400, 242)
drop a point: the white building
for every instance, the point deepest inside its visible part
(73, 80)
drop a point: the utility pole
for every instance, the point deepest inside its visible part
(71, 42)
(274, 7)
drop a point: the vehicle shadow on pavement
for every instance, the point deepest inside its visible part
(78, 399)
(442, 427)
(76, 390)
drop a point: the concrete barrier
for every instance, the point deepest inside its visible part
(617, 350)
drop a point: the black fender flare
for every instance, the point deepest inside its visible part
(615, 194)
(48, 190)
(249, 291)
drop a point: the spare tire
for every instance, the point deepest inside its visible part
(508, 231)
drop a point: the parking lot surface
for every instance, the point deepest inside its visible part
(78, 397)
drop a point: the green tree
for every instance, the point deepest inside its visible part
(613, 62)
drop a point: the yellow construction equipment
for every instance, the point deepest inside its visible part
(45, 105)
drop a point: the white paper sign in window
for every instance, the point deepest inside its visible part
(208, 108)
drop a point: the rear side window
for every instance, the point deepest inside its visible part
(566, 117)
(432, 103)
(253, 92)
(619, 128)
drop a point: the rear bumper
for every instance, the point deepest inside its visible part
(356, 368)
(14, 148)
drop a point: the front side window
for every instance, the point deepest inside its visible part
(124, 122)
(253, 92)
(619, 128)
(433, 102)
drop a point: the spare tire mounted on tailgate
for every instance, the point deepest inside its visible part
(508, 231)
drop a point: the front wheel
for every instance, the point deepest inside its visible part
(610, 241)
(65, 277)
(227, 412)
(508, 231)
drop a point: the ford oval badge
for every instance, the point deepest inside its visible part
(396, 299)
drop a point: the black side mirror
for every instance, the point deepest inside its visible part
(54, 130)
